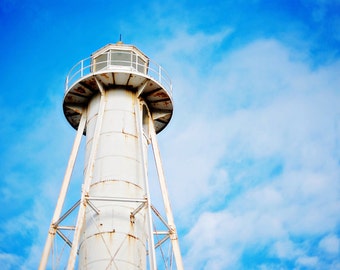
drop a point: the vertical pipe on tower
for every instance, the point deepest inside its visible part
(143, 135)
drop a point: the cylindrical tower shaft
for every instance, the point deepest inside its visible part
(113, 237)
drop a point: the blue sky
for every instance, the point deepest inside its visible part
(252, 153)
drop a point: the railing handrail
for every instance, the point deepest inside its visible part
(87, 66)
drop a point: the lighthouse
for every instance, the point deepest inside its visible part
(118, 99)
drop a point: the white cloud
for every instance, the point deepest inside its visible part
(9, 261)
(307, 261)
(256, 103)
(195, 46)
(285, 249)
(209, 241)
(330, 244)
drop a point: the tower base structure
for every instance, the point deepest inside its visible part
(119, 99)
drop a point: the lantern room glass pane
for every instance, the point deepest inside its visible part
(120, 58)
(141, 65)
(134, 60)
(101, 61)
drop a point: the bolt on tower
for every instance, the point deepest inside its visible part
(120, 100)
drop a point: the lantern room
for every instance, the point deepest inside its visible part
(119, 56)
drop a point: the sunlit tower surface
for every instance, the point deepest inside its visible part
(119, 99)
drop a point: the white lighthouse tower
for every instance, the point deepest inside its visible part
(119, 99)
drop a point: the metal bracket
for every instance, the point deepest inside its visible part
(94, 208)
(100, 86)
(134, 212)
(142, 87)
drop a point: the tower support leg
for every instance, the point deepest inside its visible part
(61, 199)
(86, 185)
(165, 195)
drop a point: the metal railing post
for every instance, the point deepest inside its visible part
(66, 83)
(81, 68)
(160, 73)
(131, 60)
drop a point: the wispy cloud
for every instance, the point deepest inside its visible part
(255, 106)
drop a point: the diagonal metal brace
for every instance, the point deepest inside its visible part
(134, 212)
